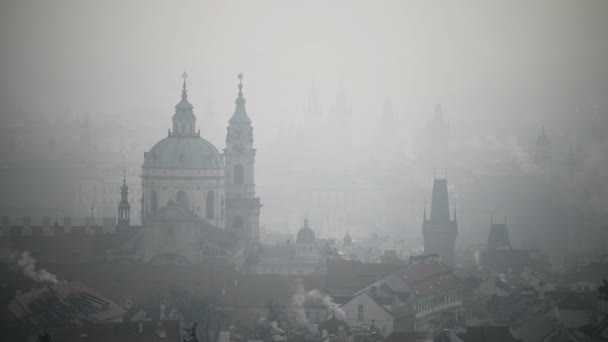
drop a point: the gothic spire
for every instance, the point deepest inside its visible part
(240, 113)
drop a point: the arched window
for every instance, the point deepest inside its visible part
(210, 204)
(183, 129)
(182, 199)
(239, 174)
(154, 201)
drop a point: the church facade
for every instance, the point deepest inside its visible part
(185, 170)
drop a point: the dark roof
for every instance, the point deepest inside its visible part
(117, 332)
(140, 281)
(409, 336)
(579, 301)
(348, 276)
(593, 272)
(429, 277)
(486, 334)
(64, 302)
(256, 291)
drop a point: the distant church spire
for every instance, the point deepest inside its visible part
(124, 208)
(184, 120)
(240, 113)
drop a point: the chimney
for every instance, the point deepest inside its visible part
(128, 304)
(67, 224)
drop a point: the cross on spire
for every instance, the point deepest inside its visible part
(184, 76)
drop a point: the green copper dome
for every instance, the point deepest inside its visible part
(183, 152)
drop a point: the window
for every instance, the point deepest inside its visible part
(210, 204)
(317, 316)
(307, 315)
(239, 174)
(293, 315)
(360, 312)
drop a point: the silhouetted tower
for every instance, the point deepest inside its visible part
(499, 236)
(124, 208)
(543, 147)
(439, 230)
(242, 206)
(348, 241)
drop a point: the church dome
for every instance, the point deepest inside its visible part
(183, 152)
(305, 234)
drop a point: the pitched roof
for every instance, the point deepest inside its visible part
(348, 276)
(64, 302)
(256, 291)
(425, 278)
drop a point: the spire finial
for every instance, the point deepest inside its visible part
(455, 215)
(124, 176)
(446, 173)
(240, 76)
(184, 76)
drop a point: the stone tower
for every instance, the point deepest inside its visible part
(242, 206)
(124, 208)
(439, 230)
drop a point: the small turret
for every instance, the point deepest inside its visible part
(124, 208)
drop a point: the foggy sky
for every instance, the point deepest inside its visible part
(117, 57)
(498, 67)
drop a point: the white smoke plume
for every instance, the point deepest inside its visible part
(27, 264)
(301, 297)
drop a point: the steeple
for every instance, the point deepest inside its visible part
(240, 113)
(424, 214)
(440, 208)
(347, 239)
(184, 120)
(124, 208)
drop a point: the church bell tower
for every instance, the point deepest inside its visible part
(242, 206)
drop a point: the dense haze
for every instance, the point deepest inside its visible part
(500, 70)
